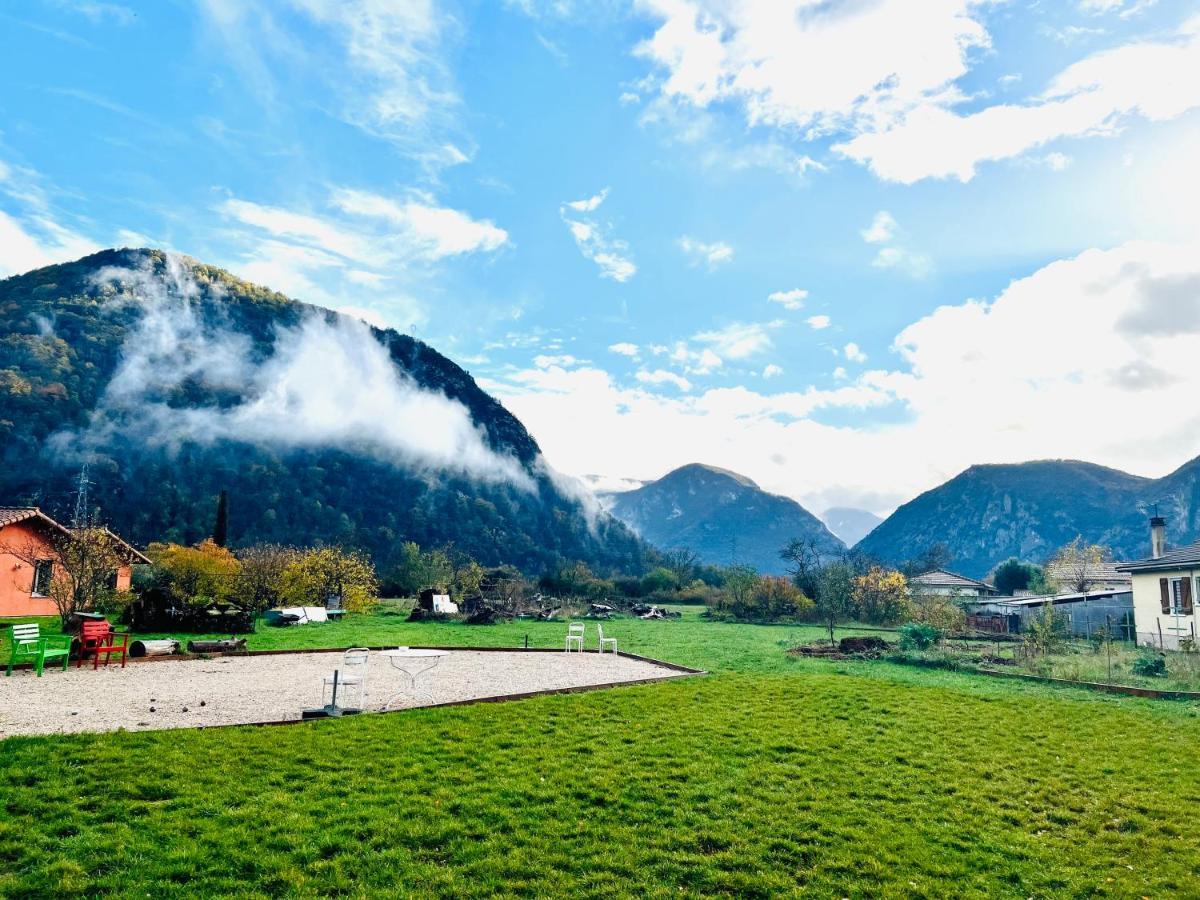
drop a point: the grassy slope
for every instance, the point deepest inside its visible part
(770, 776)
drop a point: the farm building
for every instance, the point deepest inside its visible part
(1082, 614)
(29, 542)
(939, 581)
(1164, 587)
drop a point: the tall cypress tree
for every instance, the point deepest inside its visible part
(220, 533)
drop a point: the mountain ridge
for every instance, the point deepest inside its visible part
(722, 516)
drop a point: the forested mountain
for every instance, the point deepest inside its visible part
(849, 524)
(721, 516)
(173, 380)
(1028, 510)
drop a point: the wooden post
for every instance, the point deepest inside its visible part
(1158, 621)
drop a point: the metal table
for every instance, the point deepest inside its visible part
(413, 662)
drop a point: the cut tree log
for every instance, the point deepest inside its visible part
(224, 646)
(153, 648)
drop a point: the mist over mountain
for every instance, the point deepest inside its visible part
(1028, 510)
(722, 516)
(173, 380)
(849, 524)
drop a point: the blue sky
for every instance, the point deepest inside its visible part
(958, 207)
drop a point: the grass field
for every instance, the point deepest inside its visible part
(771, 776)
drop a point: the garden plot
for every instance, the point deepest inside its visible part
(237, 690)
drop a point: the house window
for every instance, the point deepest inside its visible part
(1181, 597)
(43, 571)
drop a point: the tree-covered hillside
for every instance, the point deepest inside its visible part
(174, 380)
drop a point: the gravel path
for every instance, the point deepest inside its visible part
(246, 689)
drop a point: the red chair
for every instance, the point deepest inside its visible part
(99, 638)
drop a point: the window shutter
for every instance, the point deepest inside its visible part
(1185, 596)
(1164, 588)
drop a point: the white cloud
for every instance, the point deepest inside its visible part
(881, 230)
(799, 64)
(624, 349)
(594, 239)
(629, 98)
(31, 233)
(793, 299)
(738, 340)
(853, 353)
(1135, 307)
(817, 323)
(383, 61)
(1057, 161)
(662, 376)
(711, 254)
(771, 371)
(434, 231)
(1099, 95)
(918, 265)
(547, 361)
(589, 204)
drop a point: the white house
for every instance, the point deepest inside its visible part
(1164, 585)
(951, 584)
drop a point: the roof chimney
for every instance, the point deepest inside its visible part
(1158, 537)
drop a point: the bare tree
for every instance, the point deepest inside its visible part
(84, 562)
(803, 557)
(682, 562)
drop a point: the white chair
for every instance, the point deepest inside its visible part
(351, 678)
(575, 636)
(606, 642)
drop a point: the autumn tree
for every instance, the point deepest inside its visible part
(199, 575)
(1077, 567)
(316, 575)
(881, 596)
(834, 601)
(258, 584)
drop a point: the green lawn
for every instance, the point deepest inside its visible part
(771, 776)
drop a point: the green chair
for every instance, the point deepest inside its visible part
(27, 644)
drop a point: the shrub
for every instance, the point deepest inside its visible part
(197, 575)
(1150, 665)
(768, 599)
(919, 636)
(882, 597)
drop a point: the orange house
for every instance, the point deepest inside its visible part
(25, 532)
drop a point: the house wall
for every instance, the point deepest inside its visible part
(1153, 628)
(16, 575)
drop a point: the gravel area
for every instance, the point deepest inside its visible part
(247, 689)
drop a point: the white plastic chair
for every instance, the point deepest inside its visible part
(575, 636)
(351, 677)
(606, 642)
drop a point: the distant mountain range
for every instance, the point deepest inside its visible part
(1028, 510)
(722, 516)
(173, 380)
(849, 524)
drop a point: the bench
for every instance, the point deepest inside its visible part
(26, 643)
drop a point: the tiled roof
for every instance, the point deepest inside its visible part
(1183, 558)
(10, 515)
(942, 578)
(1106, 570)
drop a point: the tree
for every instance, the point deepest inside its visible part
(220, 535)
(881, 596)
(467, 579)
(316, 575)
(258, 584)
(835, 595)
(773, 599)
(803, 557)
(660, 579)
(199, 575)
(938, 610)
(416, 570)
(1012, 575)
(84, 562)
(740, 582)
(1076, 568)
(1044, 632)
(934, 557)
(683, 563)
